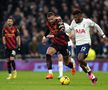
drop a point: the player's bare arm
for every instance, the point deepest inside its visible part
(3, 38)
(18, 38)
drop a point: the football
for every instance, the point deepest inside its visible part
(65, 80)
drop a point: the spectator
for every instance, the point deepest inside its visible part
(33, 47)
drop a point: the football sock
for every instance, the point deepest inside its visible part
(9, 67)
(13, 64)
(50, 71)
(88, 69)
(60, 65)
(49, 61)
(73, 61)
(70, 65)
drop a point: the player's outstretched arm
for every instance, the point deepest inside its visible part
(44, 39)
(99, 30)
(101, 33)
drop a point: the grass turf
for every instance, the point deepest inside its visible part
(27, 80)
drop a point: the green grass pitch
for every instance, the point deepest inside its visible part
(28, 80)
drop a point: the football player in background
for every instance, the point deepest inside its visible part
(11, 41)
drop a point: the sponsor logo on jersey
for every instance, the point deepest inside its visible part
(80, 31)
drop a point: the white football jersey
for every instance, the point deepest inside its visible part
(82, 31)
(66, 27)
(70, 43)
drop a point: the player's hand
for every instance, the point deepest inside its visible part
(50, 36)
(19, 48)
(44, 40)
(105, 39)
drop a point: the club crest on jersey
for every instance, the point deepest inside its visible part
(80, 31)
(13, 31)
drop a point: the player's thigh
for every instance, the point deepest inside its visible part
(83, 52)
(51, 50)
(77, 50)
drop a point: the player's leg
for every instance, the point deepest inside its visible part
(12, 59)
(71, 59)
(83, 64)
(60, 65)
(73, 71)
(50, 52)
(68, 62)
(14, 72)
(86, 68)
(67, 59)
(81, 59)
(9, 68)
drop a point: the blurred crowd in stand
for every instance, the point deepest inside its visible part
(30, 15)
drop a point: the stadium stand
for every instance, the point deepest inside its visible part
(30, 15)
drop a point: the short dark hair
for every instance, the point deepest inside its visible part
(50, 14)
(77, 11)
(11, 17)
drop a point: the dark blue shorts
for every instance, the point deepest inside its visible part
(82, 49)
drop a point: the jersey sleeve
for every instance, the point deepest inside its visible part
(60, 25)
(46, 32)
(71, 27)
(3, 31)
(90, 23)
(17, 32)
(96, 26)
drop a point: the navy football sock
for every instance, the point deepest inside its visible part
(9, 67)
(49, 61)
(13, 64)
(70, 65)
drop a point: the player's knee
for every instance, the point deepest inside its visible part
(51, 51)
(60, 57)
(80, 59)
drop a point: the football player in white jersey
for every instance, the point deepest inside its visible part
(60, 57)
(80, 27)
